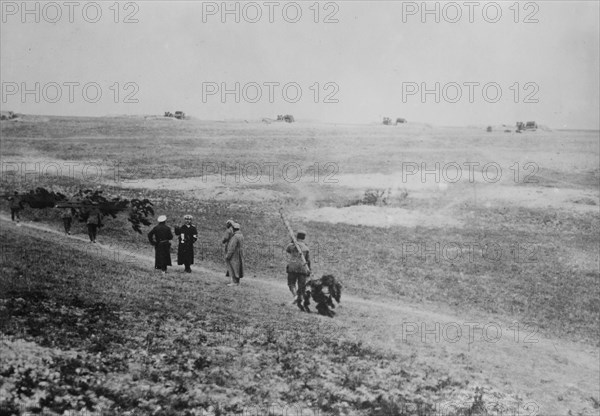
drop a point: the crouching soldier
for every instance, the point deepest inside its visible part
(297, 270)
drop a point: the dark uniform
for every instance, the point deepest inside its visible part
(296, 270)
(16, 205)
(67, 218)
(93, 222)
(188, 235)
(160, 237)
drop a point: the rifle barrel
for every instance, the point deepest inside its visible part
(291, 233)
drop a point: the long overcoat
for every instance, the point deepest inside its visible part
(160, 237)
(235, 255)
(188, 235)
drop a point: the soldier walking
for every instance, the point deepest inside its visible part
(188, 235)
(160, 237)
(67, 219)
(297, 271)
(235, 256)
(94, 221)
(16, 205)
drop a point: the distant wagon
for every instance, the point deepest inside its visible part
(388, 121)
(288, 118)
(179, 115)
(530, 126)
(7, 115)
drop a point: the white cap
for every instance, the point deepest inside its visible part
(162, 218)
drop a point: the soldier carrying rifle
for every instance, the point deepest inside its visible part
(298, 268)
(16, 205)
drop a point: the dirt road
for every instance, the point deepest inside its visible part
(523, 371)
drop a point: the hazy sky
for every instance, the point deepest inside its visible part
(374, 60)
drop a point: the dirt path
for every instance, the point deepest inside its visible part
(524, 372)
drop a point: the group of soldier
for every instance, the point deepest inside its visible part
(93, 222)
(233, 249)
(161, 235)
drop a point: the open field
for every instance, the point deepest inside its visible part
(502, 228)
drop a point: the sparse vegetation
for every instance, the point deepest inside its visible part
(92, 336)
(135, 316)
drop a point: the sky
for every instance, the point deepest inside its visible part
(480, 63)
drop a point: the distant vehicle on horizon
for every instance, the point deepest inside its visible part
(179, 115)
(388, 121)
(530, 125)
(7, 115)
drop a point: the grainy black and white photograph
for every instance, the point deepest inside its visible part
(300, 208)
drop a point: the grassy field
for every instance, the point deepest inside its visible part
(523, 248)
(82, 331)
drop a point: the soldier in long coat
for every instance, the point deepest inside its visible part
(160, 237)
(235, 256)
(226, 237)
(188, 235)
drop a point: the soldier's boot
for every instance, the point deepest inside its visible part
(293, 290)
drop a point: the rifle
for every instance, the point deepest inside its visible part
(291, 233)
